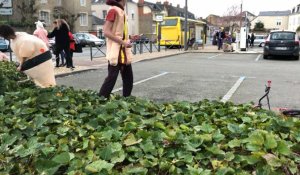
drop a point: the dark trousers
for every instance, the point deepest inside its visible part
(110, 80)
(220, 44)
(66, 49)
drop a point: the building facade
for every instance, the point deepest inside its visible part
(294, 18)
(273, 20)
(77, 14)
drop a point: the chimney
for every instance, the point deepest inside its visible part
(178, 5)
(166, 3)
(141, 2)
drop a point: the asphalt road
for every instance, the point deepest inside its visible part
(197, 76)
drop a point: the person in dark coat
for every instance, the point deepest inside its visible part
(62, 41)
(220, 36)
(252, 38)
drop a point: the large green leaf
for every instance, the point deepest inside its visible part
(46, 166)
(62, 158)
(98, 166)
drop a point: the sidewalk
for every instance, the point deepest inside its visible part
(84, 63)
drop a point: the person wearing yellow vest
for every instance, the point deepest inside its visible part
(118, 51)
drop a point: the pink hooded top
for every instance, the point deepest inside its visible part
(41, 32)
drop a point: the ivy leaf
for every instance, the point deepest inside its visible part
(272, 160)
(98, 166)
(131, 140)
(234, 143)
(215, 150)
(270, 141)
(148, 147)
(106, 153)
(62, 158)
(47, 167)
(135, 170)
(283, 148)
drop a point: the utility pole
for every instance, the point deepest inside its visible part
(186, 26)
(241, 14)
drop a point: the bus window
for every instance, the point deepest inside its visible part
(169, 22)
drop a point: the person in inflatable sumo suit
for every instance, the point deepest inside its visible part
(33, 55)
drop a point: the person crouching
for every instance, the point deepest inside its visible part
(33, 55)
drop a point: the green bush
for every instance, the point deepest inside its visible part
(10, 79)
(65, 131)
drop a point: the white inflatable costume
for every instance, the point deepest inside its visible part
(35, 59)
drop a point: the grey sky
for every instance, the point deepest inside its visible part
(202, 8)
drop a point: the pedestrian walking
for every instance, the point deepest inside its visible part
(118, 49)
(220, 36)
(41, 32)
(62, 41)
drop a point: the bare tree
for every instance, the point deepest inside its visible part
(28, 11)
(232, 18)
(61, 12)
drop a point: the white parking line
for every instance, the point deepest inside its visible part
(142, 81)
(214, 56)
(258, 57)
(233, 89)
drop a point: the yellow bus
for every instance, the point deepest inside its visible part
(172, 30)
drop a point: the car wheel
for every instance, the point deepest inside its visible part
(266, 56)
(296, 57)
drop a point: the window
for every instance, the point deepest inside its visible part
(104, 13)
(45, 16)
(278, 21)
(82, 2)
(44, 1)
(283, 36)
(58, 2)
(83, 19)
(169, 22)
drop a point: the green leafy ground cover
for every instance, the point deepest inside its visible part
(65, 131)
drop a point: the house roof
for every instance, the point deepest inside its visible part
(97, 21)
(275, 13)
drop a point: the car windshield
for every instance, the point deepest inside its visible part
(92, 36)
(2, 41)
(283, 36)
(259, 37)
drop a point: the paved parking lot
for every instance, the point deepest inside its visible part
(240, 78)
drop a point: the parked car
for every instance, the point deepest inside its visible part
(4, 45)
(87, 39)
(260, 40)
(284, 43)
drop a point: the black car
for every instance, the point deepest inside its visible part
(282, 43)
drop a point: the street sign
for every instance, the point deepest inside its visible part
(5, 3)
(159, 18)
(6, 11)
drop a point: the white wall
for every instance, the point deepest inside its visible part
(294, 22)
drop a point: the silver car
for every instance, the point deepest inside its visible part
(260, 40)
(89, 39)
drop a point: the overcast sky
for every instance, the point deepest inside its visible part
(202, 8)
